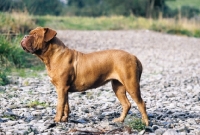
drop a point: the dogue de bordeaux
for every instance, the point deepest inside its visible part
(73, 71)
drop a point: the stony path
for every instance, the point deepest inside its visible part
(170, 86)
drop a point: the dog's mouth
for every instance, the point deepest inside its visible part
(25, 49)
(23, 46)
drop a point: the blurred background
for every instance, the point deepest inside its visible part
(170, 16)
(18, 17)
(95, 8)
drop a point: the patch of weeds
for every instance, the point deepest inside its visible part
(180, 32)
(10, 96)
(11, 117)
(197, 33)
(98, 94)
(36, 103)
(134, 123)
(3, 79)
(89, 95)
(30, 92)
(25, 72)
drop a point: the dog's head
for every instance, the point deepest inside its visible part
(37, 39)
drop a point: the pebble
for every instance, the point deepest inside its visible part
(160, 131)
(2, 88)
(170, 86)
(170, 132)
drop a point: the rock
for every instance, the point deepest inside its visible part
(37, 112)
(183, 129)
(107, 113)
(155, 127)
(79, 121)
(26, 82)
(22, 132)
(182, 133)
(9, 133)
(2, 89)
(85, 110)
(170, 132)
(13, 106)
(11, 123)
(15, 88)
(159, 131)
(141, 132)
(149, 129)
(81, 125)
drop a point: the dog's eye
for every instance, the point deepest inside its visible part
(35, 35)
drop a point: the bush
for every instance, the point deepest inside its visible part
(13, 56)
(3, 78)
(15, 23)
(134, 123)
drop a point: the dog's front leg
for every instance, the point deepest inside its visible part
(62, 109)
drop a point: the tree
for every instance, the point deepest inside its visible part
(10, 5)
(44, 7)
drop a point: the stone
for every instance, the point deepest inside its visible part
(107, 113)
(11, 123)
(37, 112)
(141, 132)
(170, 132)
(159, 131)
(155, 127)
(2, 89)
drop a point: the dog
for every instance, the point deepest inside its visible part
(73, 71)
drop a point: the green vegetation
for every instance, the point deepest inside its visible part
(15, 24)
(177, 4)
(134, 123)
(97, 8)
(12, 56)
(3, 79)
(173, 26)
(11, 117)
(36, 103)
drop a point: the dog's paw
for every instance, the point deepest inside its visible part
(57, 119)
(145, 121)
(118, 120)
(64, 119)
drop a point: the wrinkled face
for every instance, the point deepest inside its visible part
(37, 39)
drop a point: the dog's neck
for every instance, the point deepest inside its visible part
(50, 50)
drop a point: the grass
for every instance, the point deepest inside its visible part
(179, 26)
(14, 58)
(3, 78)
(134, 123)
(15, 23)
(13, 118)
(21, 23)
(35, 103)
(85, 23)
(176, 4)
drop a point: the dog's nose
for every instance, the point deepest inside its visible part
(25, 36)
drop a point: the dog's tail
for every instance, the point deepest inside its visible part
(139, 68)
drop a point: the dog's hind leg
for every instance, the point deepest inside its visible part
(134, 90)
(120, 92)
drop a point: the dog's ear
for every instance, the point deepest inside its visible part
(49, 34)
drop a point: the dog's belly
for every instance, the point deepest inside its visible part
(84, 87)
(90, 83)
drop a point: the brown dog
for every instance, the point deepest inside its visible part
(73, 71)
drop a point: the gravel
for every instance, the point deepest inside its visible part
(170, 86)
